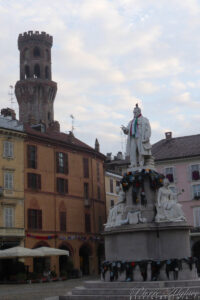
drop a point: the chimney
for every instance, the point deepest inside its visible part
(119, 155)
(8, 112)
(109, 156)
(97, 146)
(168, 135)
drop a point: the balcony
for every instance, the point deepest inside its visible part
(12, 232)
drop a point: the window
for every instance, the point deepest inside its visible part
(34, 181)
(87, 223)
(62, 185)
(169, 174)
(8, 149)
(36, 52)
(111, 185)
(9, 217)
(85, 167)
(8, 180)
(117, 183)
(112, 203)
(47, 55)
(196, 214)
(34, 219)
(86, 190)
(47, 72)
(61, 163)
(63, 221)
(27, 71)
(195, 172)
(32, 156)
(36, 71)
(196, 191)
(98, 172)
(98, 193)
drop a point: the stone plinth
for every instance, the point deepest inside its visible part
(147, 241)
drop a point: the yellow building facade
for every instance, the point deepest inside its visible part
(112, 180)
(11, 182)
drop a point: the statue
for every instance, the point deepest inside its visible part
(116, 212)
(168, 208)
(138, 142)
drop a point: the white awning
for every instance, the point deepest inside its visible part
(19, 252)
(47, 251)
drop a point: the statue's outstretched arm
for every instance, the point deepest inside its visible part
(124, 129)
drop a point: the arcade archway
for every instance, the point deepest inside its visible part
(85, 252)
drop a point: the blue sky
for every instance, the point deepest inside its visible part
(107, 56)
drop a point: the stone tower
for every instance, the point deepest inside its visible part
(35, 91)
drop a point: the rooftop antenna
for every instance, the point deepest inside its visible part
(11, 94)
(72, 117)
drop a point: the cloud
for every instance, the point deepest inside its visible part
(107, 56)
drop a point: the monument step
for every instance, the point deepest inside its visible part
(142, 284)
(127, 291)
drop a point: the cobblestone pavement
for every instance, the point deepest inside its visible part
(39, 291)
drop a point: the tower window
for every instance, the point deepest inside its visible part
(27, 72)
(25, 53)
(36, 52)
(37, 71)
(47, 72)
(49, 116)
(47, 55)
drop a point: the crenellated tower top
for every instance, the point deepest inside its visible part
(34, 36)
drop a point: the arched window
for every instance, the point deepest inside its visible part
(25, 53)
(47, 72)
(36, 52)
(47, 55)
(36, 71)
(27, 72)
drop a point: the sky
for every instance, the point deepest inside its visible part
(108, 55)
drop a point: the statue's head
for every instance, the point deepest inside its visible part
(166, 182)
(136, 111)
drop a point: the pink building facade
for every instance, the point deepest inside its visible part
(179, 160)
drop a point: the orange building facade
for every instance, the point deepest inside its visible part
(64, 200)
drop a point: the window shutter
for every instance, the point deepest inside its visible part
(66, 186)
(66, 163)
(29, 219)
(189, 173)
(39, 181)
(29, 156)
(57, 185)
(63, 221)
(11, 152)
(5, 149)
(85, 167)
(35, 148)
(57, 162)
(39, 223)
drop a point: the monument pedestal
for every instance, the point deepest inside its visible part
(157, 243)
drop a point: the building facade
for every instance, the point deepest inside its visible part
(12, 137)
(63, 177)
(112, 181)
(179, 160)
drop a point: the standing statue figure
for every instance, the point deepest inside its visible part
(168, 208)
(138, 142)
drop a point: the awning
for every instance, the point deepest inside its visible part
(47, 251)
(19, 252)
